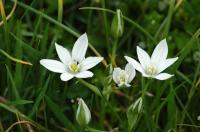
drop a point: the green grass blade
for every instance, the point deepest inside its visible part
(13, 89)
(40, 97)
(59, 114)
(14, 59)
(91, 87)
(125, 18)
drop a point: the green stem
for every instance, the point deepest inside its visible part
(114, 48)
(60, 10)
(106, 26)
(191, 93)
(114, 51)
(90, 86)
(148, 117)
(125, 18)
(14, 59)
(98, 92)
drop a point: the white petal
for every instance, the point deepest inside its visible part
(135, 64)
(90, 62)
(63, 54)
(130, 70)
(80, 48)
(163, 76)
(127, 85)
(145, 75)
(66, 76)
(116, 73)
(84, 74)
(53, 65)
(160, 52)
(166, 64)
(143, 57)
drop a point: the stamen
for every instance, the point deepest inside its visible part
(123, 78)
(151, 70)
(74, 67)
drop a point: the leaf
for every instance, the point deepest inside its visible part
(14, 59)
(59, 114)
(40, 97)
(91, 87)
(89, 129)
(13, 87)
(19, 102)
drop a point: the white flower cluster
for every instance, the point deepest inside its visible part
(76, 65)
(148, 66)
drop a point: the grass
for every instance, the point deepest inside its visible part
(32, 98)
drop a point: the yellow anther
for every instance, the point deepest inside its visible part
(73, 67)
(151, 69)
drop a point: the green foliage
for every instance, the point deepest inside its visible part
(31, 93)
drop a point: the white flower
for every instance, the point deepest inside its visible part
(154, 65)
(83, 114)
(124, 77)
(72, 64)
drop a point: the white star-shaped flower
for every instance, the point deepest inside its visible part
(124, 77)
(154, 65)
(72, 64)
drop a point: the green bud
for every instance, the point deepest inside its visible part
(117, 26)
(83, 115)
(133, 112)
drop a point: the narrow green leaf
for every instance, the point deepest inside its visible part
(40, 97)
(13, 88)
(59, 114)
(14, 59)
(17, 112)
(91, 87)
(125, 18)
(89, 129)
(33, 53)
(19, 102)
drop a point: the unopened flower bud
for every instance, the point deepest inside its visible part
(117, 27)
(83, 115)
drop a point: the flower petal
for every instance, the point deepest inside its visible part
(63, 54)
(90, 62)
(84, 74)
(53, 65)
(135, 64)
(116, 73)
(160, 52)
(166, 64)
(163, 76)
(127, 85)
(130, 70)
(143, 57)
(66, 76)
(80, 48)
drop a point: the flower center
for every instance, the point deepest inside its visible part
(74, 67)
(123, 78)
(151, 70)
